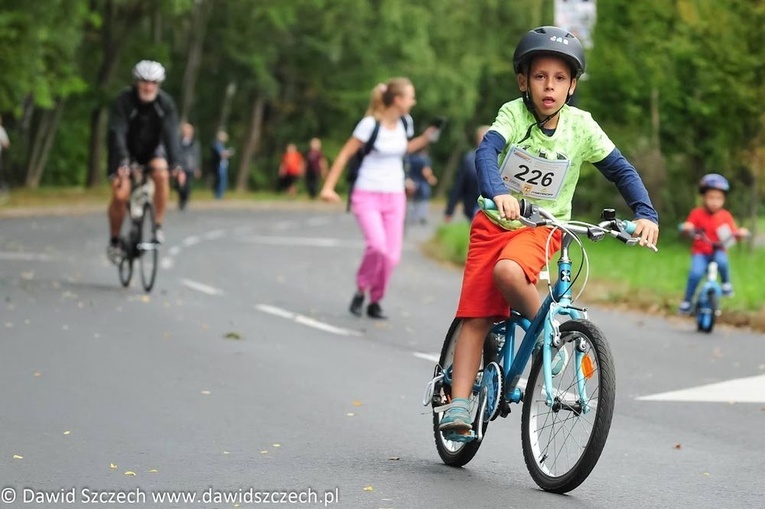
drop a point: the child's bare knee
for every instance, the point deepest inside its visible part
(508, 273)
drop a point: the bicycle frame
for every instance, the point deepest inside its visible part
(558, 303)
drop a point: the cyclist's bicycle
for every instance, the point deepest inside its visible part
(568, 400)
(140, 243)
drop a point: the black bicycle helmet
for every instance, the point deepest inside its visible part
(550, 39)
(713, 181)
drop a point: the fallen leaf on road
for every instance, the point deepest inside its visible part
(67, 432)
(130, 473)
(226, 452)
(112, 466)
(145, 298)
(232, 335)
(206, 393)
(350, 414)
(368, 488)
(30, 274)
(707, 474)
(394, 458)
(678, 446)
(17, 457)
(153, 471)
(37, 374)
(277, 445)
(357, 403)
(264, 452)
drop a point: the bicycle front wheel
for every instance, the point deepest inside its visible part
(126, 264)
(148, 248)
(707, 314)
(563, 441)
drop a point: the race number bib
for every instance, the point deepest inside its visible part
(533, 176)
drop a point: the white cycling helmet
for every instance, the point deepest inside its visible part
(149, 70)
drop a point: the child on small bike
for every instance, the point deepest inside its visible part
(540, 142)
(717, 229)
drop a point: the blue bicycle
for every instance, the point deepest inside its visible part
(705, 307)
(568, 398)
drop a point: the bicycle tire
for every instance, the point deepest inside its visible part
(125, 267)
(455, 454)
(601, 394)
(708, 315)
(148, 250)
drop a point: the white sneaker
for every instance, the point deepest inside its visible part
(727, 289)
(115, 254)
(159, 236)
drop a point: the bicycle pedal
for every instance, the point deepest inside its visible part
(457, 436)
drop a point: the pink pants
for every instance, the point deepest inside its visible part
(381, 218)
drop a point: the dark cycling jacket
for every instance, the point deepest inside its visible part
(136, 129)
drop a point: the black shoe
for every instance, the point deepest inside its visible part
(356, 304)
(375, 311)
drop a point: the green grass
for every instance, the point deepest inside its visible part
(637, 276)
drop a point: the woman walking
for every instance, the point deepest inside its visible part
(378, 200)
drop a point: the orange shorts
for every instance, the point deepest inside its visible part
(490, 243)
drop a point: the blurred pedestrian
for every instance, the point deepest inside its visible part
(420, 182)
(291, 169)
(190, 160)
(465, 187)
(220, 157)
(378, 200)
(315, 167)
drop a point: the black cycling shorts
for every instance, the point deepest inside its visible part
(144, 159)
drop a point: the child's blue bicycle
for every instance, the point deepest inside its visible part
(568, 399)
(706, 305)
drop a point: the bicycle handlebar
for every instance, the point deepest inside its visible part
(621, 229)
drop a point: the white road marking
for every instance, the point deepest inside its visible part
(174, 251)
(298, 241)
(432, 357)
(26, 257)
(191, 240)
(201, 287)
(214, 235)
(305, 320)
(741, 390)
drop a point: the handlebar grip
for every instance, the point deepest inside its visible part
(629, 226)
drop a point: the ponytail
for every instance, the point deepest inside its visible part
(383, 95)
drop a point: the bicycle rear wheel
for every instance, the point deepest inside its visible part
(453, 453)
(562, 442)
(148, 249)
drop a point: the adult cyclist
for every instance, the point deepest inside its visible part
(143, 129)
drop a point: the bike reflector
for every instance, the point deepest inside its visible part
(588, 367)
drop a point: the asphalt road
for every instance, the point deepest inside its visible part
(243, 372)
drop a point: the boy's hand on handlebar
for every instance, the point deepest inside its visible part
(742, 233)
(647, 232)
(508, 207)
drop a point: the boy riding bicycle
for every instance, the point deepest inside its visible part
(540, 142)
(143, 129)
(717, 229)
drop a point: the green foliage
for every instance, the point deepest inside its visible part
(697, 64)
